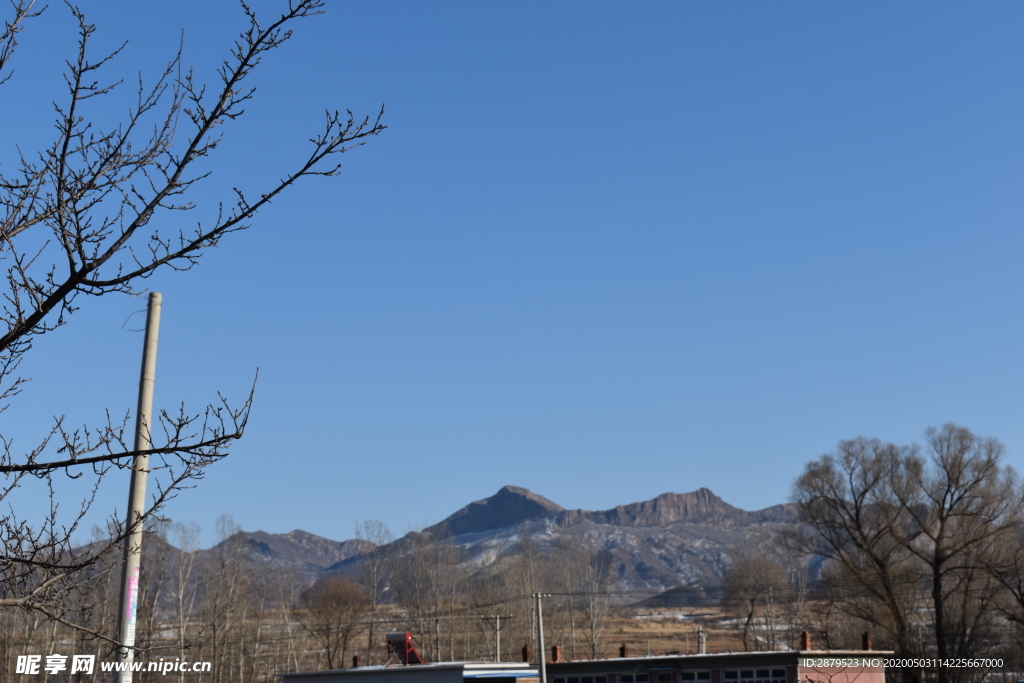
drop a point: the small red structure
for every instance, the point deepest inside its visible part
(400, 643)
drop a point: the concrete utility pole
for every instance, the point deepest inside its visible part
(137, 492)
(540, 635)
(497, 632)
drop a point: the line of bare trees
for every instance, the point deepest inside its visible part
(456, 610)
(251, 620)
(208, 606)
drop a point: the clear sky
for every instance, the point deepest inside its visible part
(603, 250)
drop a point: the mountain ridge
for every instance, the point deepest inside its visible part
(513, 505)
(670, 540)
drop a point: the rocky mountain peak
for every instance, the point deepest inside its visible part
(696, 507)
(508, 507)
(669, 508)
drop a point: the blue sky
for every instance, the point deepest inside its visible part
(603, 250)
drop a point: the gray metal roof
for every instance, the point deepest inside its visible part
(438, 672)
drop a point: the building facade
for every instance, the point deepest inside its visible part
(792, 666)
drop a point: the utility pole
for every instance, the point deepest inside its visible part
(540, 635)
(137, 492)
(497, 632)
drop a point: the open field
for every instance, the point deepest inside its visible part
(662, 631)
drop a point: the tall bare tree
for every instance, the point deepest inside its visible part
(184, 587)
(960, 505)
(846, 500)
(81, 218)
(915, 532)
(586, 570)
(752, 586)
(528, 570)
(376, 573)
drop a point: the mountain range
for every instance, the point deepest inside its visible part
(675, 539)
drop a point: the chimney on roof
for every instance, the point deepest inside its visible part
(355, 662)
(556, 654)
(865, 641)
(623, 650)
(805, 641)
(526, 653)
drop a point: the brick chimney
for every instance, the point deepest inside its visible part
(623, 650)
(526, 653)
(865, 641)
(805, 641)
(556, 654)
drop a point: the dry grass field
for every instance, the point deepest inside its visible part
(664, 631)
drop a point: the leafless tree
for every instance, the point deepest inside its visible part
(912, 533)
(528, 570)
(332, 610)
(153, 585)
(586, 570)
(376, 573)
(752, 586)
(846, 500)
(82, 218)
(960, 505)
(288, 596)
(184, 585)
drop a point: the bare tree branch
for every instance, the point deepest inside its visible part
(81, 216)
(20, 11)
